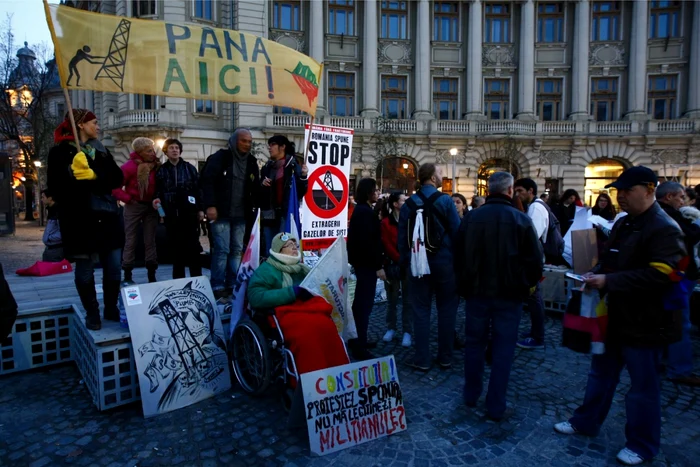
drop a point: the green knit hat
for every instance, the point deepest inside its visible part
(280, 239)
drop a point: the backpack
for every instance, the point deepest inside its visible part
(554, 242)
(434, 222)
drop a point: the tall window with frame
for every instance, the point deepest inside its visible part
(203, 106)
(341, 94)
(549, 97)
(662, 97)
(497, 23)
(446, 22)
(204, 9)
(497, 99)
(445, 98)
(604, 99)
(287, 15)
(145, 102)
(550, 22)
(394, 20)
(664, 19)
(394, 96)
(341, 17)
(143, 8)
(605, 21)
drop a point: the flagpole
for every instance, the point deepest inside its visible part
(72, 119)
(308, 141)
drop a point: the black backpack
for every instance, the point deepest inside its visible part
(433, 221)
(554, 244)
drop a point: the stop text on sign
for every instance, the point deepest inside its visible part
(329, 149)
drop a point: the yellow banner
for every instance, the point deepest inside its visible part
(116, 54)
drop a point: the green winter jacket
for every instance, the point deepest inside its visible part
(265, 287)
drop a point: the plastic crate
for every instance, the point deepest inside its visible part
(38, 339)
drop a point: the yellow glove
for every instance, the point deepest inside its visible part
(81, 169)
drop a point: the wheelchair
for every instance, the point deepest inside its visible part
(259, 356)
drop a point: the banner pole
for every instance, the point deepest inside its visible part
(72, 119)
(308, 141)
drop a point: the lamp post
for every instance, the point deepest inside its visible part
(453, 153)
(37, 164)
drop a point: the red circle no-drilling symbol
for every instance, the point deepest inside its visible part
(338, 205)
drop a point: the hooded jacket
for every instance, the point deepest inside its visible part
(130, 191)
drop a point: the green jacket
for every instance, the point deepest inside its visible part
(265, 287)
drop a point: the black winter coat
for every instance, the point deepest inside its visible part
(291, 168)
(82, 231)
(691, 237)
(216, 181)
(176, 186)
(497, 252)
(636, 290)
(365, 239)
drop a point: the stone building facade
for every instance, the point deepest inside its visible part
(568, 93)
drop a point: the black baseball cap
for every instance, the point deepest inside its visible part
(633, 176)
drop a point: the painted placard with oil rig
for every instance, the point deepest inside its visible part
(178, 342)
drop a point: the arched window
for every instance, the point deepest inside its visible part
(397, 174)
(491, 166)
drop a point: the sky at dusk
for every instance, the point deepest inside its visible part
(28, 20)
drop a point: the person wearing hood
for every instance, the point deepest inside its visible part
(80, 181)
(276, 182)
(230, 182)
(137, 194)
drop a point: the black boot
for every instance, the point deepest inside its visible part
(110, 297)
(152, 273)
(88, 297)
(128, 277)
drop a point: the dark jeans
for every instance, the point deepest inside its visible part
(642, 402)
(111, 262)
(362, 305)
(680, 354)
(441, 282)
(183, 241)
(535, 306)
(503, 318)
(392, 288)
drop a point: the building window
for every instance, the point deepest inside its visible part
(287, 15)
(445, 98)
(60, 109)
(394, 96)
(497, 23)
(661, 102)
(204, 106)
(604, 99)
(664, 20)
(446, 22)
(341, 94)
(394, 20)
(341, 17)
(549, 99)
(497, 99)
(143, 8)
(286, 111)
(550, 22)
(145, 102)
(204, 9)
(606, 21)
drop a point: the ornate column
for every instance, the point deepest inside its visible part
(422, 106)
(526, 69)
(370, 72)
(693, 109)
(475, 88)
(316, 50)
(579, 72)
(637, 72)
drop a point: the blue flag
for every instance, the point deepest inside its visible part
(292, 223)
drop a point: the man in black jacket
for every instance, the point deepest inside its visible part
(644, 248)
(679, 366)
(230, 183)
(498, 262)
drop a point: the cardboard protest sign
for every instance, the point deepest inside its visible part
(351, 404)
(325, 212)
(584, 244)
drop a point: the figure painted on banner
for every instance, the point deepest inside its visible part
(53, 250)
(81, 183)
(309, 330)
(137, 194)
(460, 203)
(230, 184)
(276, 181)
(80, 55)
(396, 276)
(365, 256)
(178, 194)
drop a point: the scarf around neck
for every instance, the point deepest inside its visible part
(288, 265)
(143, 173)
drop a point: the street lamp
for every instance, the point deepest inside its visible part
(453, 153)
(37, 164)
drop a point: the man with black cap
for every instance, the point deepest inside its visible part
(635, 271)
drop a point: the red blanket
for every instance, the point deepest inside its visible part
(45, 268)
(311, 335)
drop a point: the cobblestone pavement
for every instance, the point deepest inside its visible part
(47, 418)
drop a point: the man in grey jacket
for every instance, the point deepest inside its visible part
(52, 235)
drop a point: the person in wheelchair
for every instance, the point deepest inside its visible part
(309, 332)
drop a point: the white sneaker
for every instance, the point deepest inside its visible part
(629, 457)
(565, 428)
(406, 342)
(389, 335)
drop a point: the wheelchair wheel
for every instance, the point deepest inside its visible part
(250, 357)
